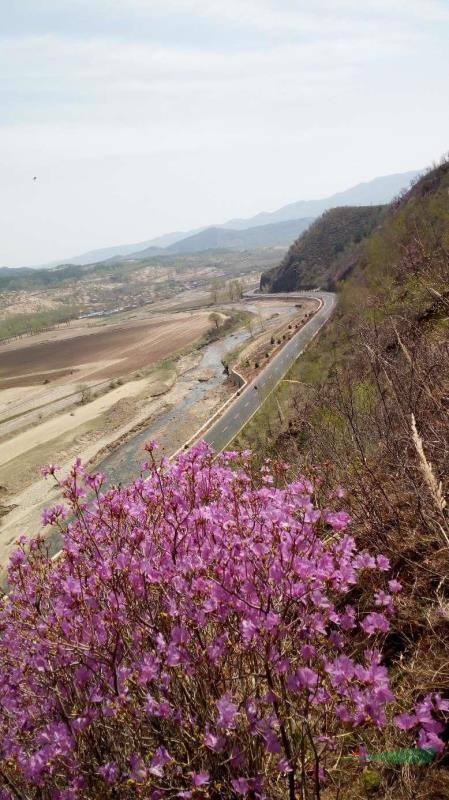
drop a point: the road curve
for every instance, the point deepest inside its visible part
(222, 432)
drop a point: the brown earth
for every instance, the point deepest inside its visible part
(127, 347)
(94, 428)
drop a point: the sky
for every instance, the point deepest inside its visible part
(140, 117)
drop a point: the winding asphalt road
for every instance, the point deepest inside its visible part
(222, 432)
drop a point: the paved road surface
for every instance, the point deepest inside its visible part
(222, 432)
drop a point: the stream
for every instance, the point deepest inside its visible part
(121, 466)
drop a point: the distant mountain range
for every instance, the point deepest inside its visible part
(105, 253)
(376, 192)
(372, 193)
(277, 234)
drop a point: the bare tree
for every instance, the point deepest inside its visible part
(215, 318)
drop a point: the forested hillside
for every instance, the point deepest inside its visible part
(372, 409)
(326, 252)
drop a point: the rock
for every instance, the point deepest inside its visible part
(205, 375)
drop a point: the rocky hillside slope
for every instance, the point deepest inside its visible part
(369, 403)
(326, 252)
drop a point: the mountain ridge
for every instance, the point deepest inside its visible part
(326, 251)
(379, 190)
(216, 237)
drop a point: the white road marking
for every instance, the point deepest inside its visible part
(225, 429)
(246, 404)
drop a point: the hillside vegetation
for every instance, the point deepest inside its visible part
(372, 407)
(326, 252)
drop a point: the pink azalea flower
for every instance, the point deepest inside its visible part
(375, 622)
(440, 704)
(338, 520)
(193, 583)
(382, 599)
(160, 759)
(383, 563)
(200, 778)
(430, 741)
(227, 712)
(213, 741)
(109, 772)
(241, 785)
(405, 721)
(138, 770)
(50, 469)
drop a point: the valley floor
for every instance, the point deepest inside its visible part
(107, 422)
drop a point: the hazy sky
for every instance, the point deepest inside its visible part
(143, 116)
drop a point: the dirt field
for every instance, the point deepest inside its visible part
(108, 351)
(50, 436)
(92, 431)
(60, 427)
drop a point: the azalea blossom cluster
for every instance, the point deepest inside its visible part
(194, 638)
(429, 715)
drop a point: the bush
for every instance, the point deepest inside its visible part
(195, 632)
(86, 394)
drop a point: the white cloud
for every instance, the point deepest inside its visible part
(105, 96)
(407, 10)
(321, 17)
(47, 65)
(226, 107)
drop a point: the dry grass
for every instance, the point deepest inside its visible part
(372, 412)
(434, 486)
